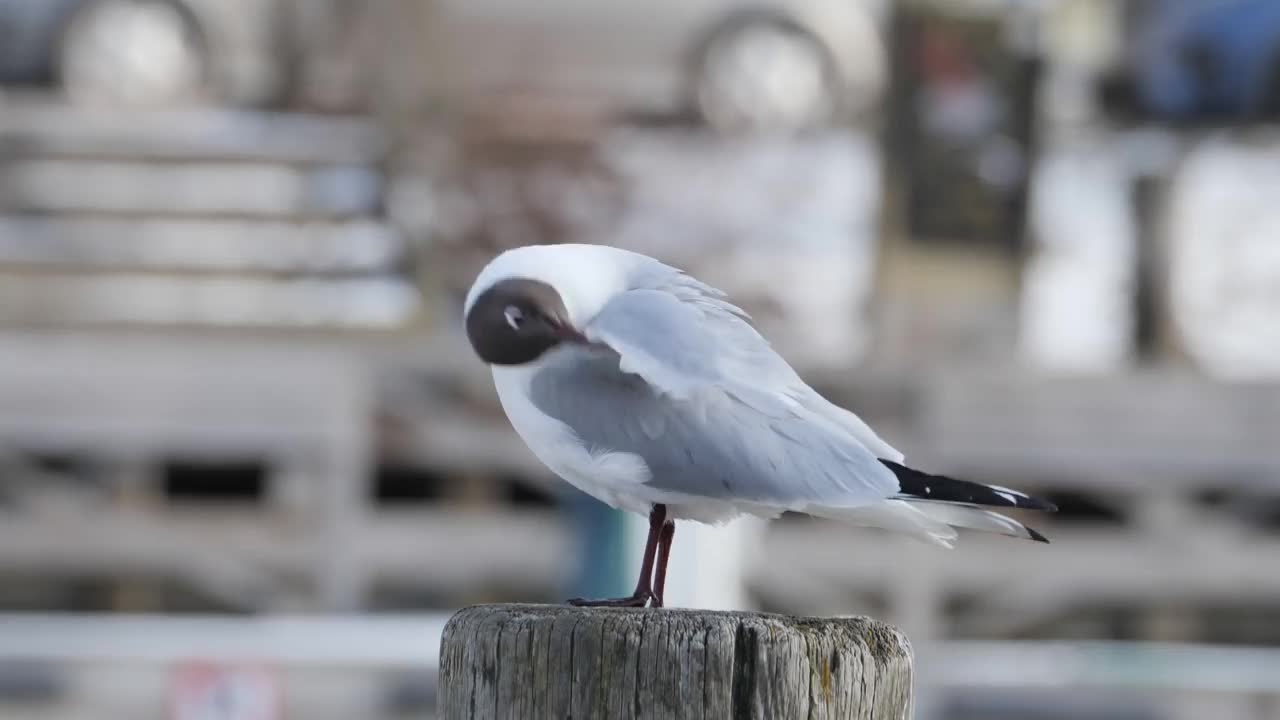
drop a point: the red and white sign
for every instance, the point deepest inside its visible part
(225, 691)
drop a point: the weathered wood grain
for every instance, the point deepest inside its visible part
(540, 661)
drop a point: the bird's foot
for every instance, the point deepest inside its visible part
(639, 599)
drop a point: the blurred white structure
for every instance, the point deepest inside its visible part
(709, 565)
(763, 65)
(789, 228)
(1077, 309)
(1223, 237)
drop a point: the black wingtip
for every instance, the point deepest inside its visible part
(1030, 502)
(927, 486)
(1037, 536)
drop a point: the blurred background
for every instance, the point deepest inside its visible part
(248, 465)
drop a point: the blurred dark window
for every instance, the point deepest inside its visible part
(960, 128)
(396, 484)
(243, 481)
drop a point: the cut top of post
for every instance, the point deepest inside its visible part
(538, 661)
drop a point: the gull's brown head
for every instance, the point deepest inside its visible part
(517, 320)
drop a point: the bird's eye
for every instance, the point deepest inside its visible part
(514, 316)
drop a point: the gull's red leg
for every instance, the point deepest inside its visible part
(644, 584)
(664, 551)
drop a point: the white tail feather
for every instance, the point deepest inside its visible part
(895, 515)
(927, 520)
(973, 517)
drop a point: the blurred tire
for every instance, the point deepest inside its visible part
(134, 53)
(765, 76)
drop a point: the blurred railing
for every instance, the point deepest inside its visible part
(392, 662)
(212, 218)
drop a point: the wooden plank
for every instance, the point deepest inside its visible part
(211, 244)
(1120, 433)
(30, 129)
(207, 300)
(1091, 665)
(153, 396)
(246, 189)
(357, 641)
(452, 441)
(808, 564)
(531, 550)
(620, 663)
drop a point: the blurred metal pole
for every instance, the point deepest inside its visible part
(345, 476)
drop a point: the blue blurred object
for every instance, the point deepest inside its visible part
(29, 31)
(601, 533)
(1208, 58)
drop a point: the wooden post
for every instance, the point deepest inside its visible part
(539, 661)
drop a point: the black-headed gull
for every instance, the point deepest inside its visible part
(650, 391)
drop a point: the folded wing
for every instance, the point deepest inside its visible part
(683, 381)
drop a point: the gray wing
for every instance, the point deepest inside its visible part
(719, 448)
(684, 338)
(689, 386)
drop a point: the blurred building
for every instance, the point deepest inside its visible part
(247, 461)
